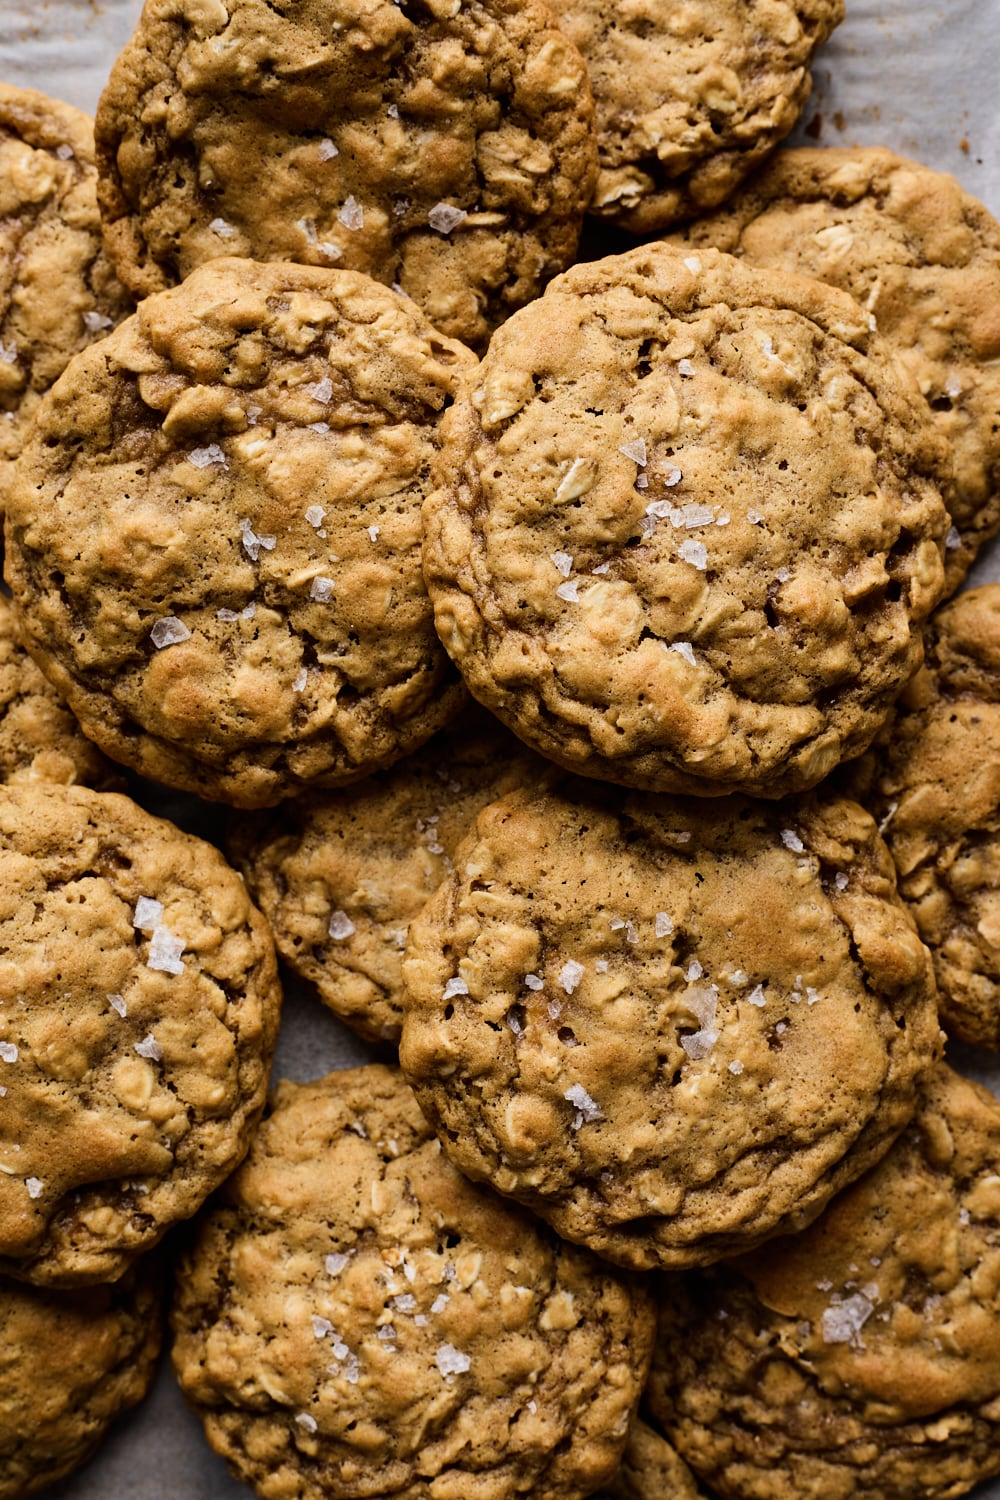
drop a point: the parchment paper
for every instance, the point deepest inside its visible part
(917, 76)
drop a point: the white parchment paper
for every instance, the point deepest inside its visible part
(919, 76)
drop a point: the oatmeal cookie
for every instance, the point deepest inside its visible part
(687, 520)
(70, 1363)
(138, 1012)
(340, 875)
(690, 98)
(39, 738)
(650, 1470)
(214, 537)
(672, 1029)
(923, 257)
(863, 1356)
(446, 149)
(936, 791)
(58, 292)
(356, 1319)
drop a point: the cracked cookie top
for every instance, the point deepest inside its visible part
(686, 521)
(444, 148)
(138, 1011)
(936, 792)
(58, 292)
(923, 257)
(340, 875)
(672, 1029)
(214, 539)
(357, 1319)
(863, 1356)
(690, 97)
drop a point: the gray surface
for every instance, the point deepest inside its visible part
(913, 75)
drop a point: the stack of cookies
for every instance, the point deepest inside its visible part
(564, 639)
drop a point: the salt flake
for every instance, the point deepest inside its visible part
(222, 229)
(203, 458)
(150, 1047)
(664, 924)
(168, 631)
(685, 649)
(685, 367)
(336, 1262)
(533, 981)
(147, 914)
(450, 1361)
(562, 562)
(587, 1109)
(35, 1186)
(455, 986)
(444, 217)
(570, 975)
(700, 1043)
(321, 1327)
(352, 215)
(117, 1003)
(326, 150)
(340, 926)
(321, 590)
(300, 680)
(320, 390)
(314, 515)
(636, 451)
(791, 840)
(757, 996)
(252, 543)
(95, 322)
(8, 1051)
(569, 591)
(695, 553)
(305, 1420)
(842, 1322)
(165, 952)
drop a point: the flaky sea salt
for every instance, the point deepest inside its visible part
(315, 515)
(672, 476)
(117, 1003)
(693, 971)
(252, 543)
(685, 367)
(695, 553)
(321, 1327)
(840, 880)
(562, 562)
(226, 615)
(222, 229)
(700, 1043)
(843, 1321)
(169, 631)
(305, 1420)
(149, 1047)
(569, 591)
(636, 451)
(757, 996)
(95, 322)
(570, 975)
(373, 533)
(791, 840)
(203, 458)
(587, 1109)
(444, 217)
(450, 1361)
(685, 649)
(455, 986)
(35, 1186)
(326, 150)
(736, 1067)
(300, 680)
(953, 539)
(440, 1302)
(148, 914)
(664, 924)
(320, 390)
(533, 981)
(693, 264)
(336, 1262)
(321, 590)
(340, 926)
(352, 215)
(393, 111)
(165, 952)
(8, 1051)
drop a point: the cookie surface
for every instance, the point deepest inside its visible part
(356, 1319)
(670, 1029)
(685, 524)
(690, 98)
(340, 875)
(936, 791)
(863, 1356)
(58, 291)
(445, 149)
(214, 539)
(70, 1363)
(923, 256)
(650, 1470)
(39, 738)
(140, 1012)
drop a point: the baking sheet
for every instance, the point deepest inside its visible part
(917, 76)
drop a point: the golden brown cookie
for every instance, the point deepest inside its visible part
(686, 523)
(340, 875)
(672, 1029)
(690, 98)
(58, 292)
(935, 789)
(923, 256)
(138, 1012)
(650, 1470)
(444, 148)
(214, 538)
(70, 1363)
(861, 1358)
(357, 1320)
(39, 738)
